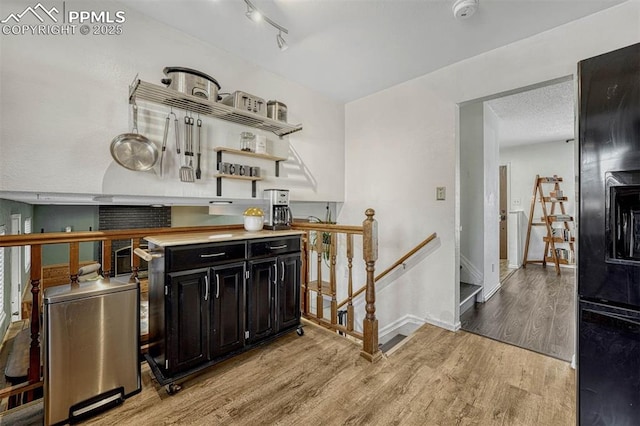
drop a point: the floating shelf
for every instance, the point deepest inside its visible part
(226, 176)
(248, 153)
(219, 150)
(220, 176)
(142, 90)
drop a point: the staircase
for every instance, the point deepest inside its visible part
(468, 296)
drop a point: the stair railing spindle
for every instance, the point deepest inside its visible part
(350, 321)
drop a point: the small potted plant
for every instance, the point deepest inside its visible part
(326, 236)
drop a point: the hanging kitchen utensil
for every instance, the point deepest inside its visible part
(132, 150)
(164, 143)
(191, 143)
(198, 170)
(186, 171)
(175, 120)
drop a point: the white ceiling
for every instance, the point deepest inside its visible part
(540, 115)
(348, 49)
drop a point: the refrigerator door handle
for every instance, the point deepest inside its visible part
(610, 315)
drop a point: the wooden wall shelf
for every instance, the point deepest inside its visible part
(221, 149)
(248, 153)
(220, 176)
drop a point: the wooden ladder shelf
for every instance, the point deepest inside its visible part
(554, 235)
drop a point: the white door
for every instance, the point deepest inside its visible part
(16, 270)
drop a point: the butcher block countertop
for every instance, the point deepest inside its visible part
(168, 240)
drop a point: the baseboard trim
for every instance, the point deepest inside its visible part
(395, 325)
(486, 297)
(446, 325)
(390, 330)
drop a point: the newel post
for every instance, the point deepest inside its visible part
(370, 350)
(33, 373)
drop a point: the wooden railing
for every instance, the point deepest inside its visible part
(368, 230)
(321, 246)
(320, 251)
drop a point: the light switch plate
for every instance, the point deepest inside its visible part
(440, 193)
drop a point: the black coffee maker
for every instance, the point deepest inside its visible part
(277, 213)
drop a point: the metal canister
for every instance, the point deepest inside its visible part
(277, 111)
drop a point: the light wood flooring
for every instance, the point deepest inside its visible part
(505, 270)
(534, 309)
(436, 378)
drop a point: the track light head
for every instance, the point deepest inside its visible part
(282, 43)
(253, 14)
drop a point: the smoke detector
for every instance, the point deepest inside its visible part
(462, 9)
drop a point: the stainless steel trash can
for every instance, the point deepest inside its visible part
(92, 344)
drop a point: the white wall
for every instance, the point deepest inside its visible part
(491, 203)
(64, 98)
(544, 159)
(401, 144)
(472, 193)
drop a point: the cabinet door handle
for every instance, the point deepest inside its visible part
(282, 273)
(212, 255)
(277, 247)
(275, 272)
(217, 285)
(206, 288)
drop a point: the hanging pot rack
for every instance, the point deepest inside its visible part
(142, 90)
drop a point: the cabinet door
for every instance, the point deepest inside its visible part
(288, 291)
(187, 319)
(227, 308)
(261, 299)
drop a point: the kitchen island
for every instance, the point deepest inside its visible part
(215, 295)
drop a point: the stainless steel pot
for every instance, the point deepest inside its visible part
(191, 82)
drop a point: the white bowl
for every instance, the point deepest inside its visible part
(253, 223)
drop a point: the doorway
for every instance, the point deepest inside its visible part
(16, 269)
(507, 253)
(512, 154)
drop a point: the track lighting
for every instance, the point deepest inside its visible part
(253, 14)
(282, 43)
(256, 15)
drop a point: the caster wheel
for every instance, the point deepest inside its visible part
(300, 331)
(172, 388)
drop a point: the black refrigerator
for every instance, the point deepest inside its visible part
(609, 239)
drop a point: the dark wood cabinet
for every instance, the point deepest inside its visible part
(273, 290)
(210, 301)
(227, 308)
(188, 313)
(261, 313)
(288, 291)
